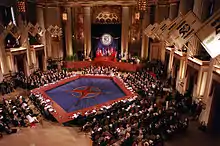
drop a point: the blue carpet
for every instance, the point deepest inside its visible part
(71, 97)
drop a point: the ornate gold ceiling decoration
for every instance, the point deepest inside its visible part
(106, 14)
(107, 17)
(71, 3)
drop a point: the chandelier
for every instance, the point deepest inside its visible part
(21, 6)
(142, 5)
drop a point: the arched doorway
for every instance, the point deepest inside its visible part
(40, 59)
(20, 62)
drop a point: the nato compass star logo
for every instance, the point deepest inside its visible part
(86, 92)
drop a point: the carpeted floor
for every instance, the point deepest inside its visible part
(84, 93)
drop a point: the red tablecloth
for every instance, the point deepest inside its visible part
(120, 65)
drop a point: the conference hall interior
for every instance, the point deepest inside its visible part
(109, 72)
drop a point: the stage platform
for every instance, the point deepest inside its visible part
(122, 66)
(83, 93)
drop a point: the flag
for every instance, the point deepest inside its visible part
(31, 29)
(165, 34)
(163, 26)
(209, 35)
(182, 32)
(39, 30)
(13, 30)
(149, 31)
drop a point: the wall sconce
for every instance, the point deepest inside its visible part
(64, 16)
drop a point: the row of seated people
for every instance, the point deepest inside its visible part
(16, 113)
(43, 105)
(157, 67)
(135, 122)
(100, 70)
(145, 83)
(7, 86)
(40, 78)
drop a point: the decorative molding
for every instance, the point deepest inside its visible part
(106, 14)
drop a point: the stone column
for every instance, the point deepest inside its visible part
(40, 20)
(25, 44)
(3, 57)
(173, 13)
(201, 9)
(182, 72)
(74, 42)
(185, 6)
(162, 13)
(170, 64)
(59, 48)
(87, 31)
(216, 5)
(207, 99)
(124, 33)
(145, 39)
(68, 33)
(199, 81)
(48, 47)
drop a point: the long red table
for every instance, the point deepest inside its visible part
(120, 65)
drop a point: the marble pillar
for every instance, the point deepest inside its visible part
(3, 58)
(47, 34)
(59, 48)
(145, 38)
(204, 116)
(173, 12)
(162, 13)
(25, 44)
(182, 73)
(170, 64)
(41, 22)
(201, 9)
(185, 6)
(87, 31)
(68, 33)
(201, 82)
(53, 18)
(216, 5)
(124, 33)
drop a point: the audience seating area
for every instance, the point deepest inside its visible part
(148, 118)
(17, 113)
